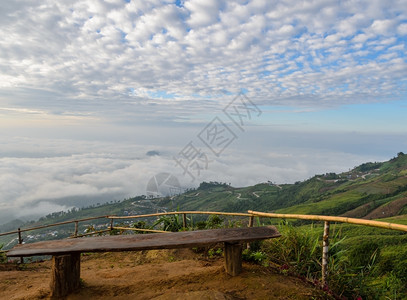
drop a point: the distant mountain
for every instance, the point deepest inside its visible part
(12, 225)
(153, 153)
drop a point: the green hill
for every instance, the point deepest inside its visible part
(371, 190)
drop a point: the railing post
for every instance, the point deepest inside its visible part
(325, 248)
(251, 221)
(184, 220)
(20, 241)
(76, 229)
(111, 224)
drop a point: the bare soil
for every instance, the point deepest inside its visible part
(158, 274)
(388, 210)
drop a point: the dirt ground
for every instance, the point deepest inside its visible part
(158, 274)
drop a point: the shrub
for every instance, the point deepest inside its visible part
(254, 256)
(214, 221)
(3, 257)
(297, 250)
(200, 225)
(212, 252)
(169, 223)
(139, 225)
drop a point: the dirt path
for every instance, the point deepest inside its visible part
(164, 274)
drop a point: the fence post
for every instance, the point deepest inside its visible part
(251, 221)
(111, 224)
(20, 241)
(184, 220)
(325, 248)
(76, 229)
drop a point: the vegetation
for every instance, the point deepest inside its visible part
(212, 184)
(3, 257)
(259, 257)
(357, 269)
(169, 223)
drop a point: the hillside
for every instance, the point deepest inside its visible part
(371, 191)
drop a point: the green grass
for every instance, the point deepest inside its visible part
(335, 205)
(363, 261)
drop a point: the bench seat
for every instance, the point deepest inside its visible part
(66, 253)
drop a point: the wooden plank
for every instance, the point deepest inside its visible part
(186, 239)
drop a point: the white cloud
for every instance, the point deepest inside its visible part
(402, 29)
(202, 12)
(95, 49)
(383, 27)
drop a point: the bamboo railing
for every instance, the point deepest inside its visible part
(52, 225)
(19, 230)
(371, 223)
(182, 213)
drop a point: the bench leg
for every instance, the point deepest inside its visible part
(233, 258)
(65, 274)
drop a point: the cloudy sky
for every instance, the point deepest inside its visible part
(235, 91)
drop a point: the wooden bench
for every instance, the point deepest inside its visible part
(65, 276)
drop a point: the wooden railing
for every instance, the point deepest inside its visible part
(75, 234)
(251, 214)
(19, 231)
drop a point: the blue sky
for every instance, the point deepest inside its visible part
(88, 87)
(388, 117)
